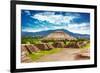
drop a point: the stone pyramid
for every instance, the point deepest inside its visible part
(59, 35)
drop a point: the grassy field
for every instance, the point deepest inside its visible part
(37, 55)
(87, 46)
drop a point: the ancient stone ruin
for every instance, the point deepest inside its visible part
(84, 54)
(58, 44)
(58, 38)
(59, 35)
(24, 52)
(44, 46)
(32, 48)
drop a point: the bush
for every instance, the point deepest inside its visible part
(31, 40)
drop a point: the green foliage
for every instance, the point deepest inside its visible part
(50, 42)
(30, 40)
(87, 46)
(39, 54)
(82, 39)
(46, 41)
(66, 43)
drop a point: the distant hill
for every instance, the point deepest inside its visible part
(45, 33)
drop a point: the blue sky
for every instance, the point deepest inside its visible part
(36, 21)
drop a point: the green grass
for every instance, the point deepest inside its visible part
(39, 54)
(50, 42)
(67, 43)
(30, 40)
(87, 46)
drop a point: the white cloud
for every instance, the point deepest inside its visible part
(47, 13)
(59, 22)
(73, 14)
(54, 19)
(83, 28)
(27, 12)
(31, 30)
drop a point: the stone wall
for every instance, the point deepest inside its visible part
(46, 46)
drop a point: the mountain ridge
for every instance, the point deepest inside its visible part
(45, 33)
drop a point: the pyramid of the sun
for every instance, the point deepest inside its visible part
(59, 35)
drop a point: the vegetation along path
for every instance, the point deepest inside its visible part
(64, 55)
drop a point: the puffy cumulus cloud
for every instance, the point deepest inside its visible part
(27, 12)
(45, 20)
(31, 30)
(83, 28)
(72, 14)
(55, 19)
(47, 13)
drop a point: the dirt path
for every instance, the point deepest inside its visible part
(65, 54)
